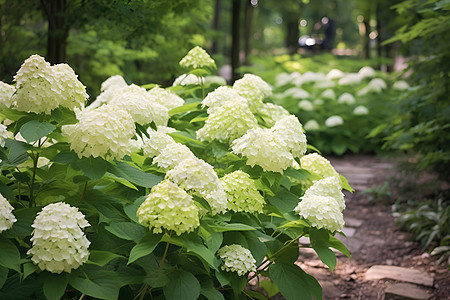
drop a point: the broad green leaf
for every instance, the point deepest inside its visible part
(319, 242)
(120, 180)
(299, 174)
(185, 138)
(156, 280)
(270, 287)
(296, 224)
(28, 269)
(133, 174)
(13, 115)
(346, 185)
(182, 285)
(284, 200)
(231, 227)
(209, 291)
(184, 108)
(9, 255)
(338, 245)
(127, 230)
(131, 209)
(55, 285)
(64, 157)
(6, 191)
(17, 152)
(255, 295)
(144, 247)
(291, 281)
(34, 130)
(3, 276)
(101, 258)
(200, 118)
(22, 227)
(92, 167)
(100, 284)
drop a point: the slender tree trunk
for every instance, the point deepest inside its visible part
(235, 32)
(366, 40)
(215, 25)
(292, 32)
(58, 29)
(248, 30)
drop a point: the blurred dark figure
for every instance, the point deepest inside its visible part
(330, 30)
(322, 37)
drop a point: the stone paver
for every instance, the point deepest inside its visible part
(399, 273)
(405, 291)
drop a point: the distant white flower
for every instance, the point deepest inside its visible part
(328, 94)
(305, 105)
(346, 98)
(335, 74)
(166, 98)
(311, 125)
(296, 93)
(3, 135)
(104, 131)
(242, 193)
(196, 58)
(400, 85)
(219, 80)
(334, 121)
(376, 85)
(219, 96)
(7, 219)
(169, 207)
(351, 78)
(283, 78)
(324, 84)
(253, 88)
(360, 110)
(312, 77)
(59, 243)
(6, 92)
(188, 79)
(366, 71)
(318, 102)
(172, 155)
(237, 259)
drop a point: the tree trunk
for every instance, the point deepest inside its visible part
(365, 54)
(215, 25)
(292, 32)
(58, 30)
(248, 30)
(235, 33)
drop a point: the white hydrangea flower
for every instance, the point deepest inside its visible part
(172, 155)
(242, 193)
(324, 84)
(59, 243)
(253, 88)
(296, 93)
(351, 78)
(334, 121)
(321, 212)
(265, 148)
(237, 259)
(194, 174)
(274, 112)
(3, 135)
(283, 78)
(311, 125)
(319, 165)
(212, 79)
(330, 187)
(305, 105)
(40, 88)
(6, 92)
(328, 94)
(106, 130)
(228, 122)
(376, 85)
(400, 85)
(346, 98)
(335, 74)
(108, 90)
(366, 71)
(115, 81)
(140, 105)
(310, 76)
(157, 142)
(196, 58)
(7, 218)
(166, 98)
(169, 207)
(188, 79)
(361, 110)
(318, 102)
(290, 132)
(219, 96)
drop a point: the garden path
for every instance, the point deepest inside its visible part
(385, 262)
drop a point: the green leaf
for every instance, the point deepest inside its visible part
(345, 184)
(200, 118)
(55, 285)
(284, 200)
(131, 209)
(144, 247)
(34, 130)
(270, 287)
(319, 242)
(101, 284)
(28, 269)
(185, 138)
(182, 285)
(133, 174)
(14, 115)
(3, 276)
(255, 295)
(127, 230)
(299, 174)
(92, 167)
(338, 245)
(231, 227)
(64, 157)
(290, 279)
(9, 255)
(120, 180)
(101, 258)
(184, 108)
(209, 291)
(17, 152)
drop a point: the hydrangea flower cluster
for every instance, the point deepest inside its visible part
(59, 243)
(237, 259)
(305, 105)
(334, 121)
(7, 218)
(361, 110)
(351, 78)
(108, 90)
(319, 165)
(188, 79)
(3, 135)
(272, 112)
(219, 96)
(242, 193)
(166, 98)
(253, 88)
(173, 154)
(157, 142)
(366, 71)
(228, 122)
(376, 85)
(106, 130)
(169, 207)
(194, 174)
(328, 94)
(273, 149)
(6, 92)
(335, 74)
(311, 125)
(400, 85)
(40, 88)
(297, 93)
(328, 186)
(196, 58)
(346, 98)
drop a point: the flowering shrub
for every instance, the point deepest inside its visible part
(124, 199)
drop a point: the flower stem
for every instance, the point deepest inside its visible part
(33, 179)
(162, 259)
(83, 193)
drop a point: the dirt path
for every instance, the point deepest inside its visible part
(378, 247)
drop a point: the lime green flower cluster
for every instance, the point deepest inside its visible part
(196, 58)
(319, 165)
(166, 98)
(220, 96)
(271, 112)
(253, 88)
(158, 140)
(171, 155)
(6, 92)
(237, 259)
(41, 88)
(59, 243)
(7, 218)
(169, 207)
(242, 194)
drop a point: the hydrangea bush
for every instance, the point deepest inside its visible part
(184, 192)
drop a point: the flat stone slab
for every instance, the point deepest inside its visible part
(398, 273)
(348, 231)
(405, 291)
(351, 222)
